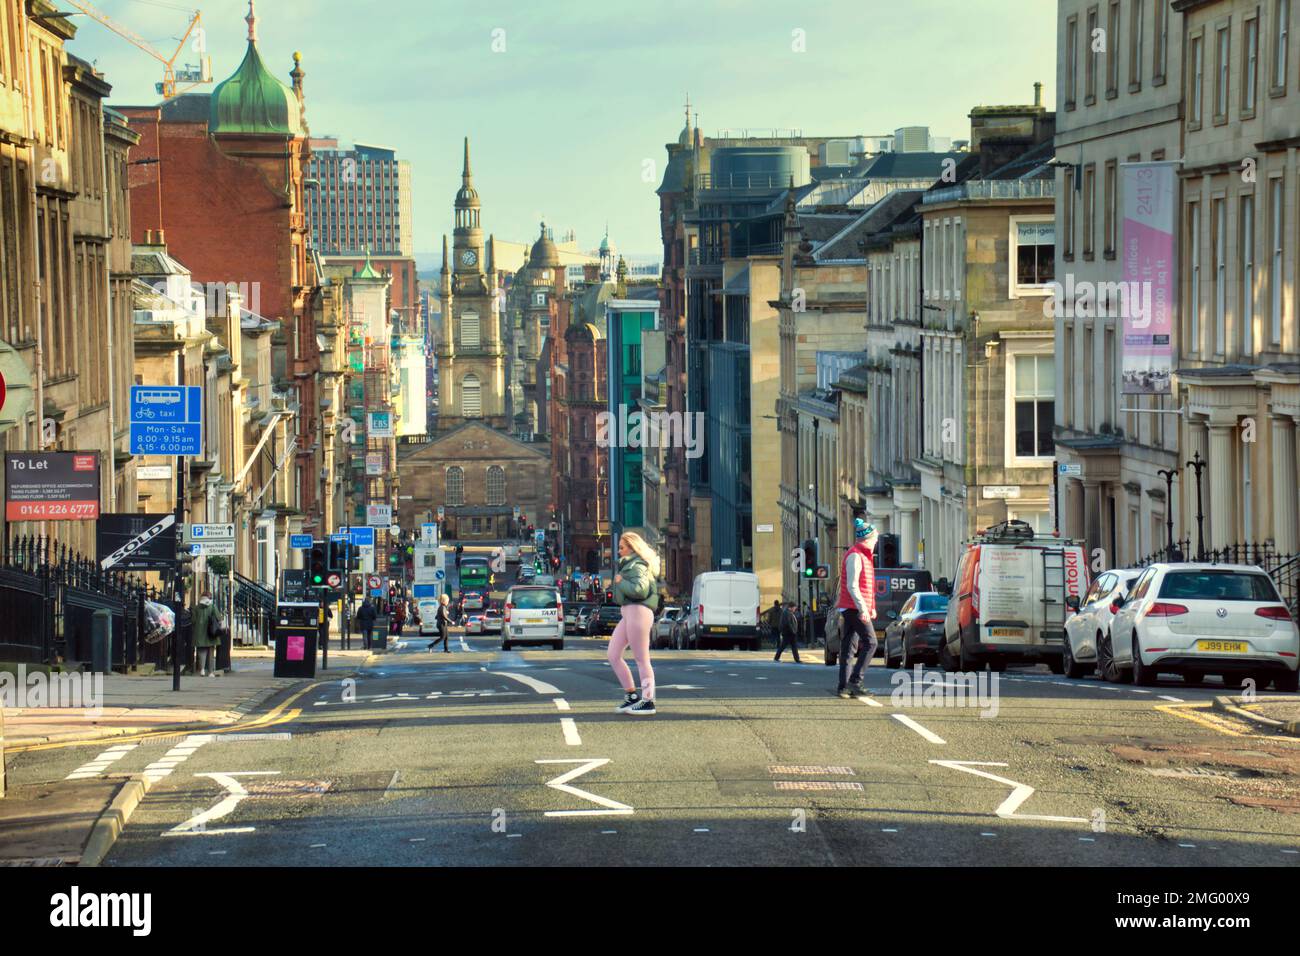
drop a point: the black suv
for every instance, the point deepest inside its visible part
(607, 618)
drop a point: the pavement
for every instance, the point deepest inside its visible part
(74, 818)
(1277, 714)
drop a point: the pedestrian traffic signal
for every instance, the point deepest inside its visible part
(810, 558)
(318, 566)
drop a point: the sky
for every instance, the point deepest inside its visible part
(568, 103)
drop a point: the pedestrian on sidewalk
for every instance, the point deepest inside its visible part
(787, 632)
(857, 607)
(635, 591)
(323, 624)
(366, 621)
(206, 626)
(443, 619)
(397, 619)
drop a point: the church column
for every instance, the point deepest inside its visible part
(1222, 490)
(1284, 483)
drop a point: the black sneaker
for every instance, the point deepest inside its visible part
(845, 693)
(641, 708)
(629, 700)
(855, 690)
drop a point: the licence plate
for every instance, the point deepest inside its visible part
(717, 630)
(1006, 632)
(1230, 647)
(533, 620)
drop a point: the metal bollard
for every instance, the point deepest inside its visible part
(101, 641)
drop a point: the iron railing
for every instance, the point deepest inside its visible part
(1283, 568)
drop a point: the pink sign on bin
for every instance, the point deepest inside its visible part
(296, 649)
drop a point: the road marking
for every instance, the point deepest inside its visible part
(538, 685)
(796, 683)
(871, 701)
(97, 766)
(570, 729)
(561, 704)
(1205, 720)
(1087, 840)
(181, 752)
(1020, 792)
(888, 830)
(988, 834)
(1187, 846)
(562, 783)
(417, 839)
(393, 782)
(678, 687)
(1176, 700)
(615, 831)
(908, 722)
(197, 825)
(316, 846)
(701, 829)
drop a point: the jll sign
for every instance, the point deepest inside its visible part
(1148, 264)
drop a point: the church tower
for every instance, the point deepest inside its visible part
(471, 360)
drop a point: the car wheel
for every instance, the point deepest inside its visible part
(905, 656)
(1288, 683)
(1143, 676)
(967, 661)
(557, 645)
(1073, 669)
(1106, 665)
(946, 660)
(1056, 665)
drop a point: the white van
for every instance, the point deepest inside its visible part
(1009, 600)
(724, 609)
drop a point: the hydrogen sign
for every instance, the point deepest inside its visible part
(167, 420)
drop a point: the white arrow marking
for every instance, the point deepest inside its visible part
(927, 734)
(679, 687)
(1020, 792)
(538, 685)
(197, 824)
(562, 783)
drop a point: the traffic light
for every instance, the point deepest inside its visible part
(887, 551)
(318, 566)
(336, 556)
(810, 561)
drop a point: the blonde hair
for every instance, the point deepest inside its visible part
(643, 551)
(443, 599)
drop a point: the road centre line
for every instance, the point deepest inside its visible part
(538, 685)
(561, 704)
(913, 725)
(871, 702)
(570, 728)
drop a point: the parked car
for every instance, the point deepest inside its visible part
(492, 621)
(725, 609)
(533, 615)
(1008, 603)
(606, 619)
(1087, 626)
(894, 587)
(664, 626)
(573, 613)
(474, 623)
(915, 632)
(1198, 619)
(585, 620)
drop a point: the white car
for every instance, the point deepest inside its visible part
(1199, 619)
(474, 623)
(533, 615)
(664, 626)
(427, 608)
(1087, 626)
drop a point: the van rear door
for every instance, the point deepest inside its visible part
(744, 601)
(1009, 582)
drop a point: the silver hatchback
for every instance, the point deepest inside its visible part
(533, 615)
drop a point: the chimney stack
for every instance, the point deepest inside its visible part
(148, 237)
(161, 240)
(1038, 94)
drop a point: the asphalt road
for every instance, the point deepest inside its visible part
(487, 758)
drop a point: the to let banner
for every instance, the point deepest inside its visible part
(1147, 294)
(51, 485)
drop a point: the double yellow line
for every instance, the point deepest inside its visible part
(1211, 721)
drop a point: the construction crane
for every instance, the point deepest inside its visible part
(188, 74)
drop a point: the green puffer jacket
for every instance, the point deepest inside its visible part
(203, 613)
(637, 585)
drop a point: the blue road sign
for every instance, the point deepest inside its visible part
(424, 590)
(345, 537)
(439, 574)
(300, 541)
(167, 420)
(377, 592)
(540, 536)
(363, 536)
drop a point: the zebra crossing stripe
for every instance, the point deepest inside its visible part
(101, 763)
(180, 753)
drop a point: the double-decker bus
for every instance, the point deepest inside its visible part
(475, 573)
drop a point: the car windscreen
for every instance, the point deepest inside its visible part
(931, 602)
(534, 599)
(1217, 586)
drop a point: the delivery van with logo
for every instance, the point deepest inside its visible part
(1009, 599)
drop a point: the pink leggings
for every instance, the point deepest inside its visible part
(634, 631)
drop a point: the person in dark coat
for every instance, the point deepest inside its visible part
(444, 624)
(366, 620)
(787, 632)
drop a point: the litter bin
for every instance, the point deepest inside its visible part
(295, 639)
(379, 639)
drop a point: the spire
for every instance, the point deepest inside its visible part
(251, 20)
(465, 175)
(445, 260)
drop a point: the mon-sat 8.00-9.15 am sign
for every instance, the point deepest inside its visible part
(51, 485)
(167, 420)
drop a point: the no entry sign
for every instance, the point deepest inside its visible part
(51, 485)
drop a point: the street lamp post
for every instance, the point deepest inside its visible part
(1197, 464)
(1169, 474)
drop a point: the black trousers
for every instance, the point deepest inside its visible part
(787, 640)
(367, 634)
(441, 639)
(855, 630)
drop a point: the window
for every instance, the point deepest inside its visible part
(539, 298)
(1277, 220)
(471, 397)
(1112, 50)
(1090, 72)
(1221, 66)
(1035, 391)
(496, 485)
(1195, 77)
(1136, 15)
(1247, 246)
(469, 330)
(1072, 62)
(1281, 38)
(1218, 213)
(1160, 63)
(1194, 278)
(1249, 65)
(1035, 252)
(1089, 207)
(1067, 210)
(1109, 211)
(455, 485)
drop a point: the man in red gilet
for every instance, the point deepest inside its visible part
(857, 604)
